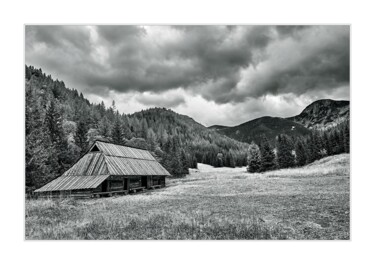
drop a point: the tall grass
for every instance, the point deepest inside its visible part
(284, 204)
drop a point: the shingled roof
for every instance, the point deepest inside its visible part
(103, 160)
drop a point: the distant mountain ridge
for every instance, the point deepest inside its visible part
(217, 127)
(320, 115)
(269, 126)
(323, 114)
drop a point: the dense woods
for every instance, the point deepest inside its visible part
(61, 124)
(298, 151)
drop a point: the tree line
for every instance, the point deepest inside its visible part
(61, 124)
(292, 152)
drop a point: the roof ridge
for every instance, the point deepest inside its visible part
(128, 157)
(105, 142)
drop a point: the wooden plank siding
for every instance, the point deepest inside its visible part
(109, 149)
(109, 168)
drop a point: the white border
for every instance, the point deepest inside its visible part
(357, 13)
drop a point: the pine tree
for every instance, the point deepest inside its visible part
(126, 129)
(105, 128)
(151, 139)
(54, 123)
(80, 136)
(136, 127)
(117, 134)
(267, 155)
(285, 158)
(194, 162)
(253, 158)
(314, 146)
(177, 167)
(300, 153)
(144, 129)
(184, 163)
(37, 145)
(172, 158)
(327, 143)
(232, 162)
(167, 156)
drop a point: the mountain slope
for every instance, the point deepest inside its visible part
(323, 114)
(61, 124)
(217, 127)
(269, 126)
(204, 143)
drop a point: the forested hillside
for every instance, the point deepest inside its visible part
(323, 114)
(254, 130)
(291, 151)
(61, 124)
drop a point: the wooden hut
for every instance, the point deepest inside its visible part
(108, 169)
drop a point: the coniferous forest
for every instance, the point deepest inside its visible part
(298, 151)
(61, 125)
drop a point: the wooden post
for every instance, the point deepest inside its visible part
(149, 182)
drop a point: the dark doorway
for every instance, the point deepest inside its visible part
(155, 181)
(126, 184)
(144, 181)
(105, 186)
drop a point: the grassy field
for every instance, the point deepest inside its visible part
(312, 202)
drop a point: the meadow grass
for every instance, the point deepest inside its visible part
(312, 202)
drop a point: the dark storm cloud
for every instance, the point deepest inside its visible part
(221, 63)
(317, 60)
(116, 34)
(290, 30)
(58, 37)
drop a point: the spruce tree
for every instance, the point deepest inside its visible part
(194, 162)
(126, 129)
(267, 155)
(184, 163)
(54, 123)
(105, 128)
(232, 162)
(177, 167)
(314, 146)
(144, 129)
(151, 140)
(253, 158)
(80, 136)
(285, 158)
(300, 153)
(167, 156)
(58, 157)
(172, 157)
(117, 134)
(327, 143)
(37, 145)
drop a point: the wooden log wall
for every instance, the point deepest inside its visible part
(135, 182)
(115, 183)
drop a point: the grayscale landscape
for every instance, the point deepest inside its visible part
(187, 132)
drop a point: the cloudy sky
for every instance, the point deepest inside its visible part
(215, 74)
